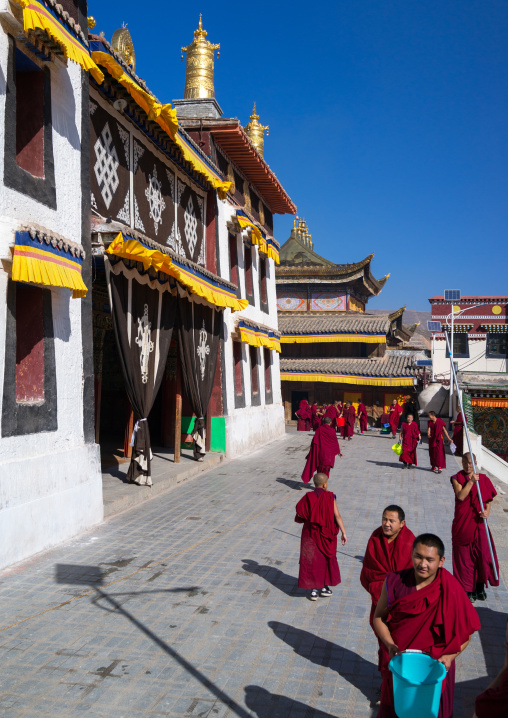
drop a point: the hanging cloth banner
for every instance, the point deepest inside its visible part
(36, 262)
(143, 320)
(347, 379)
(37, 16)
(199, 328)
(203, 284)
(258, 337)
(258, 237)
(332, 337)
(163, 115)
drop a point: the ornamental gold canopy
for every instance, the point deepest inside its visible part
(256, 132)
(199, 70)
(121, 42)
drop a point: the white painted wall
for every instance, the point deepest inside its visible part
(477, 361)
(252, 426)
(50, 483)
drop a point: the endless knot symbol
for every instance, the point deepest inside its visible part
(144, 343)
(106, 165)
(190, 225)
(155, 199)
(203, 350)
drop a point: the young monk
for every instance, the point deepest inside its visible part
(424, 608)
(321, 520)
(394, 416)
(409, 438)
(458, 433)
(323, 450)
(362, 417)
(350, 418)
(472, 563)
(493, 703)
(303, 415)
(436, 443)
(315, 418)
(390, 548)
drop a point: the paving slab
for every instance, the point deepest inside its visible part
(187, 604)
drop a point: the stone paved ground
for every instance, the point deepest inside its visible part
(187, 605)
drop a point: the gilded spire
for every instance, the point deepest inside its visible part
(301, 232)
(256, 132)
(200, 61)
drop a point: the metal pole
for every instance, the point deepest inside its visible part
(450, 400)
(433, 358)
(475, 470)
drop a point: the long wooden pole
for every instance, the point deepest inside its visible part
(178, 413)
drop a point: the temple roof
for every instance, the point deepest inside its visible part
(387, 366)
(231, 137)
(328, 323)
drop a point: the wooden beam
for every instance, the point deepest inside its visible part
(178, 413)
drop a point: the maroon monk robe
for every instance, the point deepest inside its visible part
(458, 433)
(383, 557)
(315, 419)
(304, 415)
(323, 450)
(436, 444)
(318, 548)
(437, 619)
(493, 702)
(362, 417)
(395, 412)
(472, 562)
(410, 434)
(350, 416)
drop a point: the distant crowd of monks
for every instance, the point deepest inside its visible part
(416, 603)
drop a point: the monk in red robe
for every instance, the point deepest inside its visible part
(321, 520)
(458, 433)
(333, 414)
(349, 420)
(424, 608)
(390, 548)
(323, 450)
(472, 562)
(315, 418)
(303, 415)
(362, 417)
(409, 438)
(436, 432)
(493, 703)
(394, 416)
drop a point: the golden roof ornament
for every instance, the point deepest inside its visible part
(301, 232)
(256, 132)
(92, 22)
(121, 42)
(200, 60)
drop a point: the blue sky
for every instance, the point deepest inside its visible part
(388, 123)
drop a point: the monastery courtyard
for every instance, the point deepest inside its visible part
(188, 606)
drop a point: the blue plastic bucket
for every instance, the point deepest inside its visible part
(387, 426)
(417, 682)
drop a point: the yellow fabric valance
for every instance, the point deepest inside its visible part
(197, 163)
(490, 402)
(258, 336)
(36, 16)
(348, 379)
(198, 283)
(327, 338)
(256, 237)
(36, 262)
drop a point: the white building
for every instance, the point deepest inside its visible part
(50, 479)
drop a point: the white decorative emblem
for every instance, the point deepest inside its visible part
(138, 222)
(155, 199)
(125, 137)
(203, 350)
(139, 151)
(190, 225)
(144, 343)
(106, 166)
(125, 213)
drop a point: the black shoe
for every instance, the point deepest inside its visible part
(480, 592)
(314, 595)
(326, 591)
(471, 595)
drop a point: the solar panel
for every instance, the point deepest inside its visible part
(434, 326)
(452, 295)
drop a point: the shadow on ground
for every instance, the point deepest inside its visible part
(272, 705)
(277, 578)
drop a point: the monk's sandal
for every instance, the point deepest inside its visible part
(326, 591)
(314, 594)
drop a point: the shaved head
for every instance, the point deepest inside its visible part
(320, 480)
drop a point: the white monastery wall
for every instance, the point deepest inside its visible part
(477, 361)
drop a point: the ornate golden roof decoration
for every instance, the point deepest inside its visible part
(301, 232)
(200, 60)
(91, 21)
(256, 132)
(121, 42)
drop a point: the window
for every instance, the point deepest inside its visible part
(497, 345)
(29, 344)
(262, 284)
(254, 372)
(29, 115)
(267, 355)
(233, 261)
(238, 375)
(249, 289)
(460, 346)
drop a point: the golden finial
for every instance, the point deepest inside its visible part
(256, 132)
(91, 22)
(200, 61)
(121, 42)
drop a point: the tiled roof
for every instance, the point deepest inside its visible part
(386, 366)
(290, 323)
